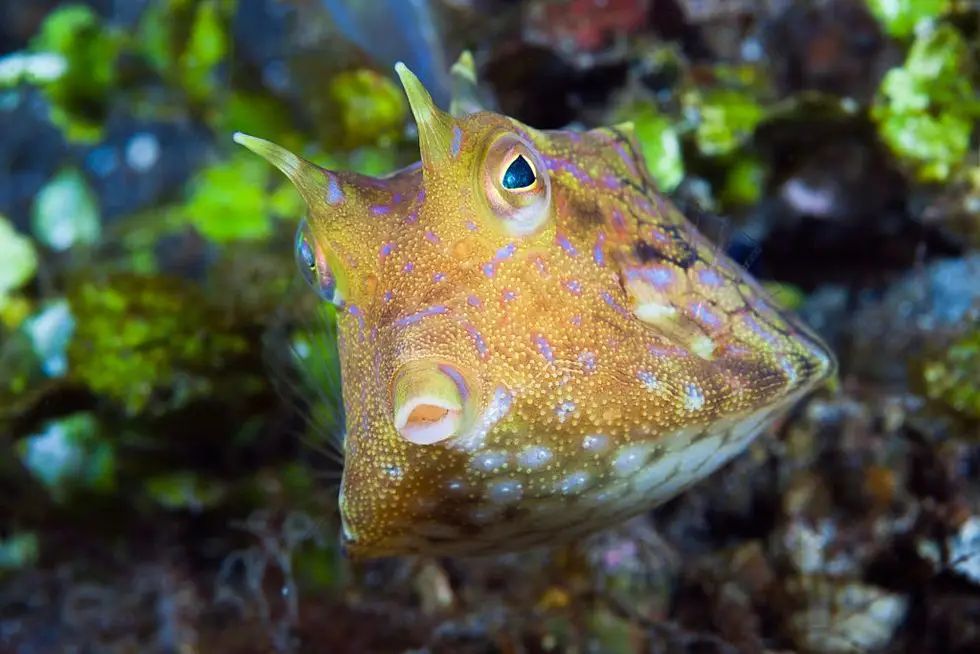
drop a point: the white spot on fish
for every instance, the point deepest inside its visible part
(534, 457)
(475, 440)
(505, 491)
(489, 461)
(631, 458)
(575, 483)
(694, 398)
(649, 380)
(564, 410)
(704, 347)
(594, 442)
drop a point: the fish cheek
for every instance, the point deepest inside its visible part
(403, 474)
(398, 505)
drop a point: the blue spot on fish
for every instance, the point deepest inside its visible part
(453, 374)
(334, 195)
(421, 315)
(544, 347)
(710, 277)
(657, 276)
(648, 379)
(611, 301)
(457, 140)
(355, 311)
(481, 345)
(701, 312)
(505, 252)
(598, 254)
(566, 245)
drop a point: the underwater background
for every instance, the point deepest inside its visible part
(169, 394)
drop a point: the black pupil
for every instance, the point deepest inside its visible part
(519, 174)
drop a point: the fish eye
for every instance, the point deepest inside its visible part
(516, 185)
(519, 174)
(305, 260)
(313, 266)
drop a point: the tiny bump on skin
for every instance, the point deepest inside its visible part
(612, 356)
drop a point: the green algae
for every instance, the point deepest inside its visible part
(927, 109)
(371, 108)
(91, 50)
(744, 182)
(900, 18)
(229, 202)
(20, 261)
(187, 490)
(951, 378)
(137, 337)
(726, 119)
(660, 144)
(186, 42)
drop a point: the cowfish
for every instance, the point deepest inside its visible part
(534, 343)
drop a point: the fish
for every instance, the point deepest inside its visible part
(534, 343)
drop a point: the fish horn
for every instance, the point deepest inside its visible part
(466, 93)
(315, 184)
(435, 126)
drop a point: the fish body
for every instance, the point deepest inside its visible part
(534, 343)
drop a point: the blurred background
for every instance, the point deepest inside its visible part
(166, 478)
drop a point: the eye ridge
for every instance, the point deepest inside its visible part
(519, 174)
